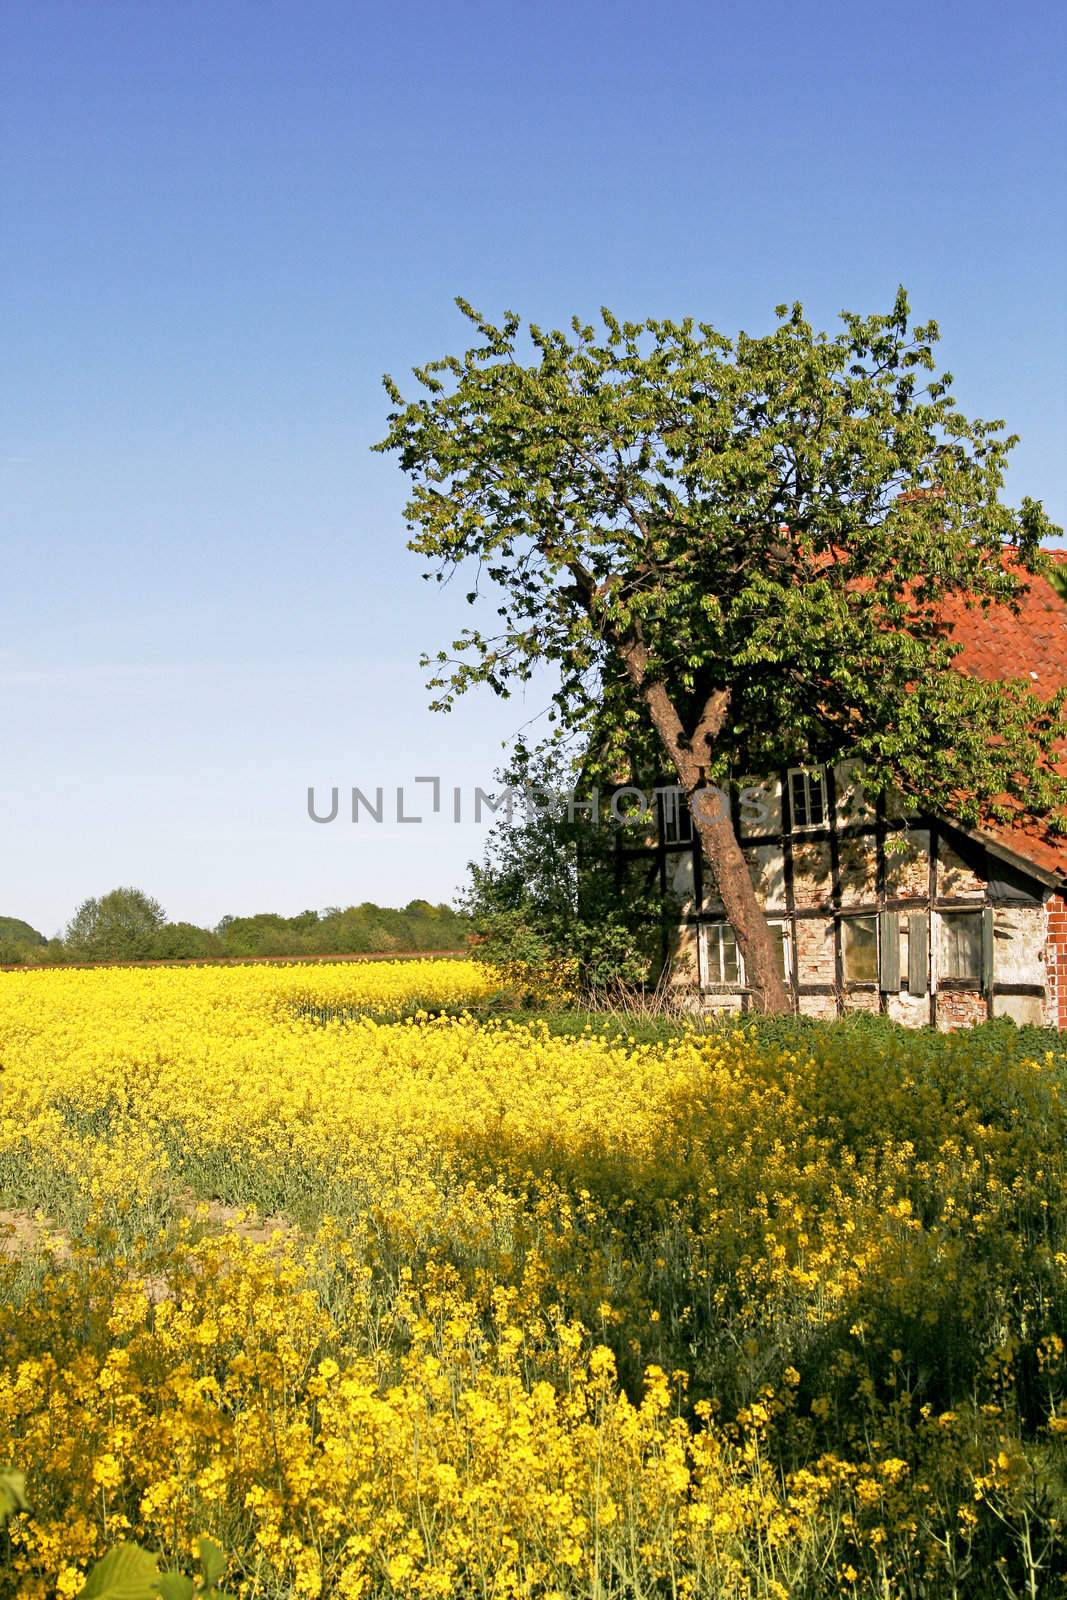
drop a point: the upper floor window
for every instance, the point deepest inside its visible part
(677, 818)
(807, 795)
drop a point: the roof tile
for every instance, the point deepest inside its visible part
(1031, 643)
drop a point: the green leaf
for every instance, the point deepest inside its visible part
(174, 1586)
(125, 1573)
(212, 1562)
(12, 1493)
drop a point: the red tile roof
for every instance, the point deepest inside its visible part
(1029, 644)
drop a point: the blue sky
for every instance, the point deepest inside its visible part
(220, 224)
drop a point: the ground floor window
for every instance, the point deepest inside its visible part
(961, 946)
(722, 959)
(723, 966)
(859, 949)
(887, 950)
(783, 946)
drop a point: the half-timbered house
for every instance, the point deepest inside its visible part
(876, 906)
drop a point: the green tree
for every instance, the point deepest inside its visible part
(121, 926)
(544, 902)
(184, 941)
(265, 934)
(19, 943)
(735, 553)
(335, 931)
(19, 932)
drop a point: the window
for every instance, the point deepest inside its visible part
(807, 794)
(722, 964)
(859, 947)
(961, 946)
(783, 949)
(677, 819)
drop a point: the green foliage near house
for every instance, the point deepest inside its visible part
(545, 903)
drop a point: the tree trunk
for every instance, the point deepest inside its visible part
(714, 825)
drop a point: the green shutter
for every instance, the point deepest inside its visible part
(987, 950)
(889, 952)
(918, 952)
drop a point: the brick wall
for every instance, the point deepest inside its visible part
(963, 1009)
(1057, 960)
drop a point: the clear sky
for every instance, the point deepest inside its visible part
(220, 223)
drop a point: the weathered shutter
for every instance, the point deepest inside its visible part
(889, 952)
(987, 950)
(918, 952)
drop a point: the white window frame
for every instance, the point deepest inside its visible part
(677, 817)
(711, 942)
(788, 966)
(811, 779)
(707, 927)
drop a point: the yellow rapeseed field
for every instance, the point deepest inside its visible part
(391, 1298)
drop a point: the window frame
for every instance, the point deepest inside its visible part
(875, 980)
(675, 815)
(972, 983)
(719, 984)
(811, 779)
(785, 927)
(709, 926)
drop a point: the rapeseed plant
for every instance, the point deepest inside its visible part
(441, 1307)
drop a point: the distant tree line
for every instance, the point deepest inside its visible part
(128, 925)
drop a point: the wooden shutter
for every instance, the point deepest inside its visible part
(918, 952)
(987, 950)
(889, 952)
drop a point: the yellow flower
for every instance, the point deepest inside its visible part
(366, 1291)
(107, 1472)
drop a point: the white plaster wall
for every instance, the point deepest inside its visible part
(766, 866)
(761, 809)
(1019, 944)
(913, 1010)
(1021, 1008)
(680, 878)
(956, 880)
(859, 870)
